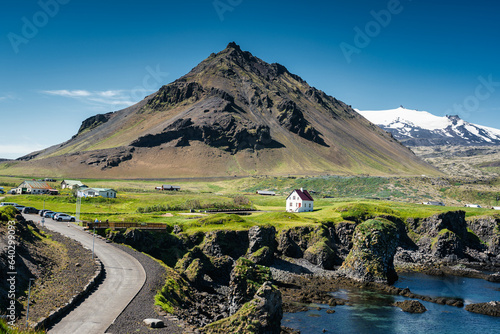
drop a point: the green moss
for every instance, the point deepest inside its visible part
(255, 275)
(5, 329)
(7, 213)
(237, 323)
(175, 293)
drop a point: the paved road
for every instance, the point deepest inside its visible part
(125, 276)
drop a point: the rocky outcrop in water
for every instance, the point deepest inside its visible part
(411, 306)
(491, 308)
(371, 257)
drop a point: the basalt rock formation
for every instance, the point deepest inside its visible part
(371, 257)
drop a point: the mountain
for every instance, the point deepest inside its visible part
(420, 128)
(233, 114)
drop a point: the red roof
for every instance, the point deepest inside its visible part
(304, 195)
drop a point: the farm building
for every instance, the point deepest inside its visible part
(434, 203)
(72, 184)
(97, 192)
(266, 193)
(299, 201)
(168, 187)
(35, 187)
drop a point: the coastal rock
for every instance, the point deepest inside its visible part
(246, 279)
(448, 245)
(485, 229)
(325, 245)
(321, 255)
(262, 244)
(411, 306)
(453, 221)
(220, 243)
(492, 308)
(262, 314)
(372, 255)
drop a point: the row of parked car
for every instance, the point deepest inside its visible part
(59, 216)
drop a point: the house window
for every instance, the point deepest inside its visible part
(291, 204)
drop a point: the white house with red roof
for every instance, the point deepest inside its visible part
(299, 201)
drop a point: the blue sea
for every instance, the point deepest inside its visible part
(371, 312)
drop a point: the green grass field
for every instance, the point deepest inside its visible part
(336, 199)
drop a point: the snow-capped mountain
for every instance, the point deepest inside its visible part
(421, 128)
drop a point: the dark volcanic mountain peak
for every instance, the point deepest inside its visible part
(235, 113)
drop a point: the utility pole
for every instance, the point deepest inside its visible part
(93, 239)
(28, 307)
(78, 206)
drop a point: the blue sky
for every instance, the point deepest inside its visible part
(66, 60)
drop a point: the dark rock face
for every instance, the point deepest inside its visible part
(261, 315)
(452, 220)
(411, 306)
(227, 132)
(292, 118)
(448, 244)
(491, 308)
(109, 158)
(246, 279)
(94, 121)
(485, 229)
(220, 243)
(449, 237)
(262, 244)
(325, 246)
(175, 93)
(371, 257)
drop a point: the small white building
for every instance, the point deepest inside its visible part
(299, 201)
(97, 192)
(72, 184)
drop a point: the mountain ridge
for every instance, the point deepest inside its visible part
(231, 114)
(421, 128)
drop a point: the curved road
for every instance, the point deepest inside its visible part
(125, 276)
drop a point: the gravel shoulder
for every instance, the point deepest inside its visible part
(142, 306)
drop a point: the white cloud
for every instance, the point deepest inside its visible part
(6, 97)
(116, 98)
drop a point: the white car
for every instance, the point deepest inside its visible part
(60, 217)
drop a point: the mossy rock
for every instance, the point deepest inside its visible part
(175, 293)
(321, 255)
(372, 255)
(262, 256)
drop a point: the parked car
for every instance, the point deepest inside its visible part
(30, 209)
(60, 217)
(8, 203)
(12, 192)
(49, 214)
(2, 192)
(41, 212)
(19, 207)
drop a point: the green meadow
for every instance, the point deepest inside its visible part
(336, 199)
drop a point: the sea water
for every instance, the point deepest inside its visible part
(372, 312)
